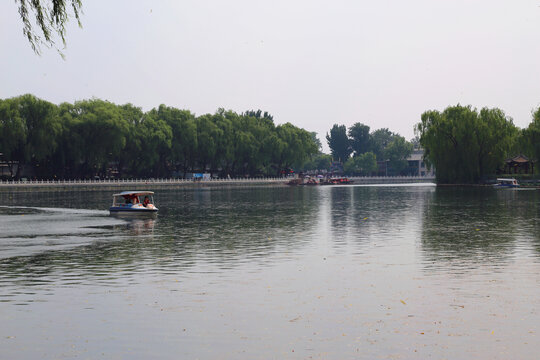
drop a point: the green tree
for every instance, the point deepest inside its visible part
(379, 140)
(298, 146)
(224, 141)
(259, 114)
(104, 130)
(528, 141)
(364, 164)
(184, 136)
(464, 145)
(207, 141)
(13, 130)
(316, 140)
(397, 152)
(95, 137)
(69, 154)
(129, 161)
(245, 144)
(256, 144)
(318, 161)
(359, 138)
(156, 140)
(496, 136)
(30, 127)
(339, 143)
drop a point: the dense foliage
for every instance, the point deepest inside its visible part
(364, 164)
(465, 145)
(99, 138)
(368, 148)
(529, 138)
(339, 143)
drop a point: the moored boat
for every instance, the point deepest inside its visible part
(133, 203)
(294, 182)
(506, 183)
(337, 181)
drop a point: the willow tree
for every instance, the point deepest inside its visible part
(530, 141)
(104, 130)
(184, 136)
(465, 145)
(13, 130)
(28, 127)
(51, 17)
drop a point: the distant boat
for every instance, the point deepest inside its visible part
(308, 180)
(337, 181)
(506, 183)
(294, 182)
(133, 203)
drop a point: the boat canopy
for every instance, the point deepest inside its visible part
(134, 193)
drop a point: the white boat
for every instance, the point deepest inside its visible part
(133, 203)
(506, 183)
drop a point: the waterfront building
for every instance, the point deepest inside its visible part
(417, 165)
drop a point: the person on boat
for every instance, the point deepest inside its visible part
(146, 201)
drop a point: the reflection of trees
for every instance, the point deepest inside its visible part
(216, 229)
(239, 223)
(468, 225)
(523, 205)
(361, 213)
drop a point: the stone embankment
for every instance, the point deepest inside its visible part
(137, 184)
(373, 180)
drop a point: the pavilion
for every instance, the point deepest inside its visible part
(519, 164)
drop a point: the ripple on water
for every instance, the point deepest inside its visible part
(334, 269)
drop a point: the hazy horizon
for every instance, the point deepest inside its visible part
(310, 63)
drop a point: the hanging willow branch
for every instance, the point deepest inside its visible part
(50, 17)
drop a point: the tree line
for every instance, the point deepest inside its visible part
(468, 146)
(99, 138)
(367, 148)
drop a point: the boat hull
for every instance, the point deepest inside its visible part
(133, 212)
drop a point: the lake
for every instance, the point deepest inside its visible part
(336, 272)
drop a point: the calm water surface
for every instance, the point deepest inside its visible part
(351, 272)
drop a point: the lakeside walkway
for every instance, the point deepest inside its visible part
(132, 183)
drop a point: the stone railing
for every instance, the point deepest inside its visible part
(176, 181)
(392, 179)
(122, 182)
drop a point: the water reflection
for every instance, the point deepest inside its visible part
(198, 230)
(211, 230)
(466, 227)
(362, 215)
(136, 226)
(345, 272)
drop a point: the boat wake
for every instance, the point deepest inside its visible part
(28, 230)
(57, 210)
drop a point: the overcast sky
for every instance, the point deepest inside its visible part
(310, 63)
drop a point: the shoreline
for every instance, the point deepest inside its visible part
(140, 184)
